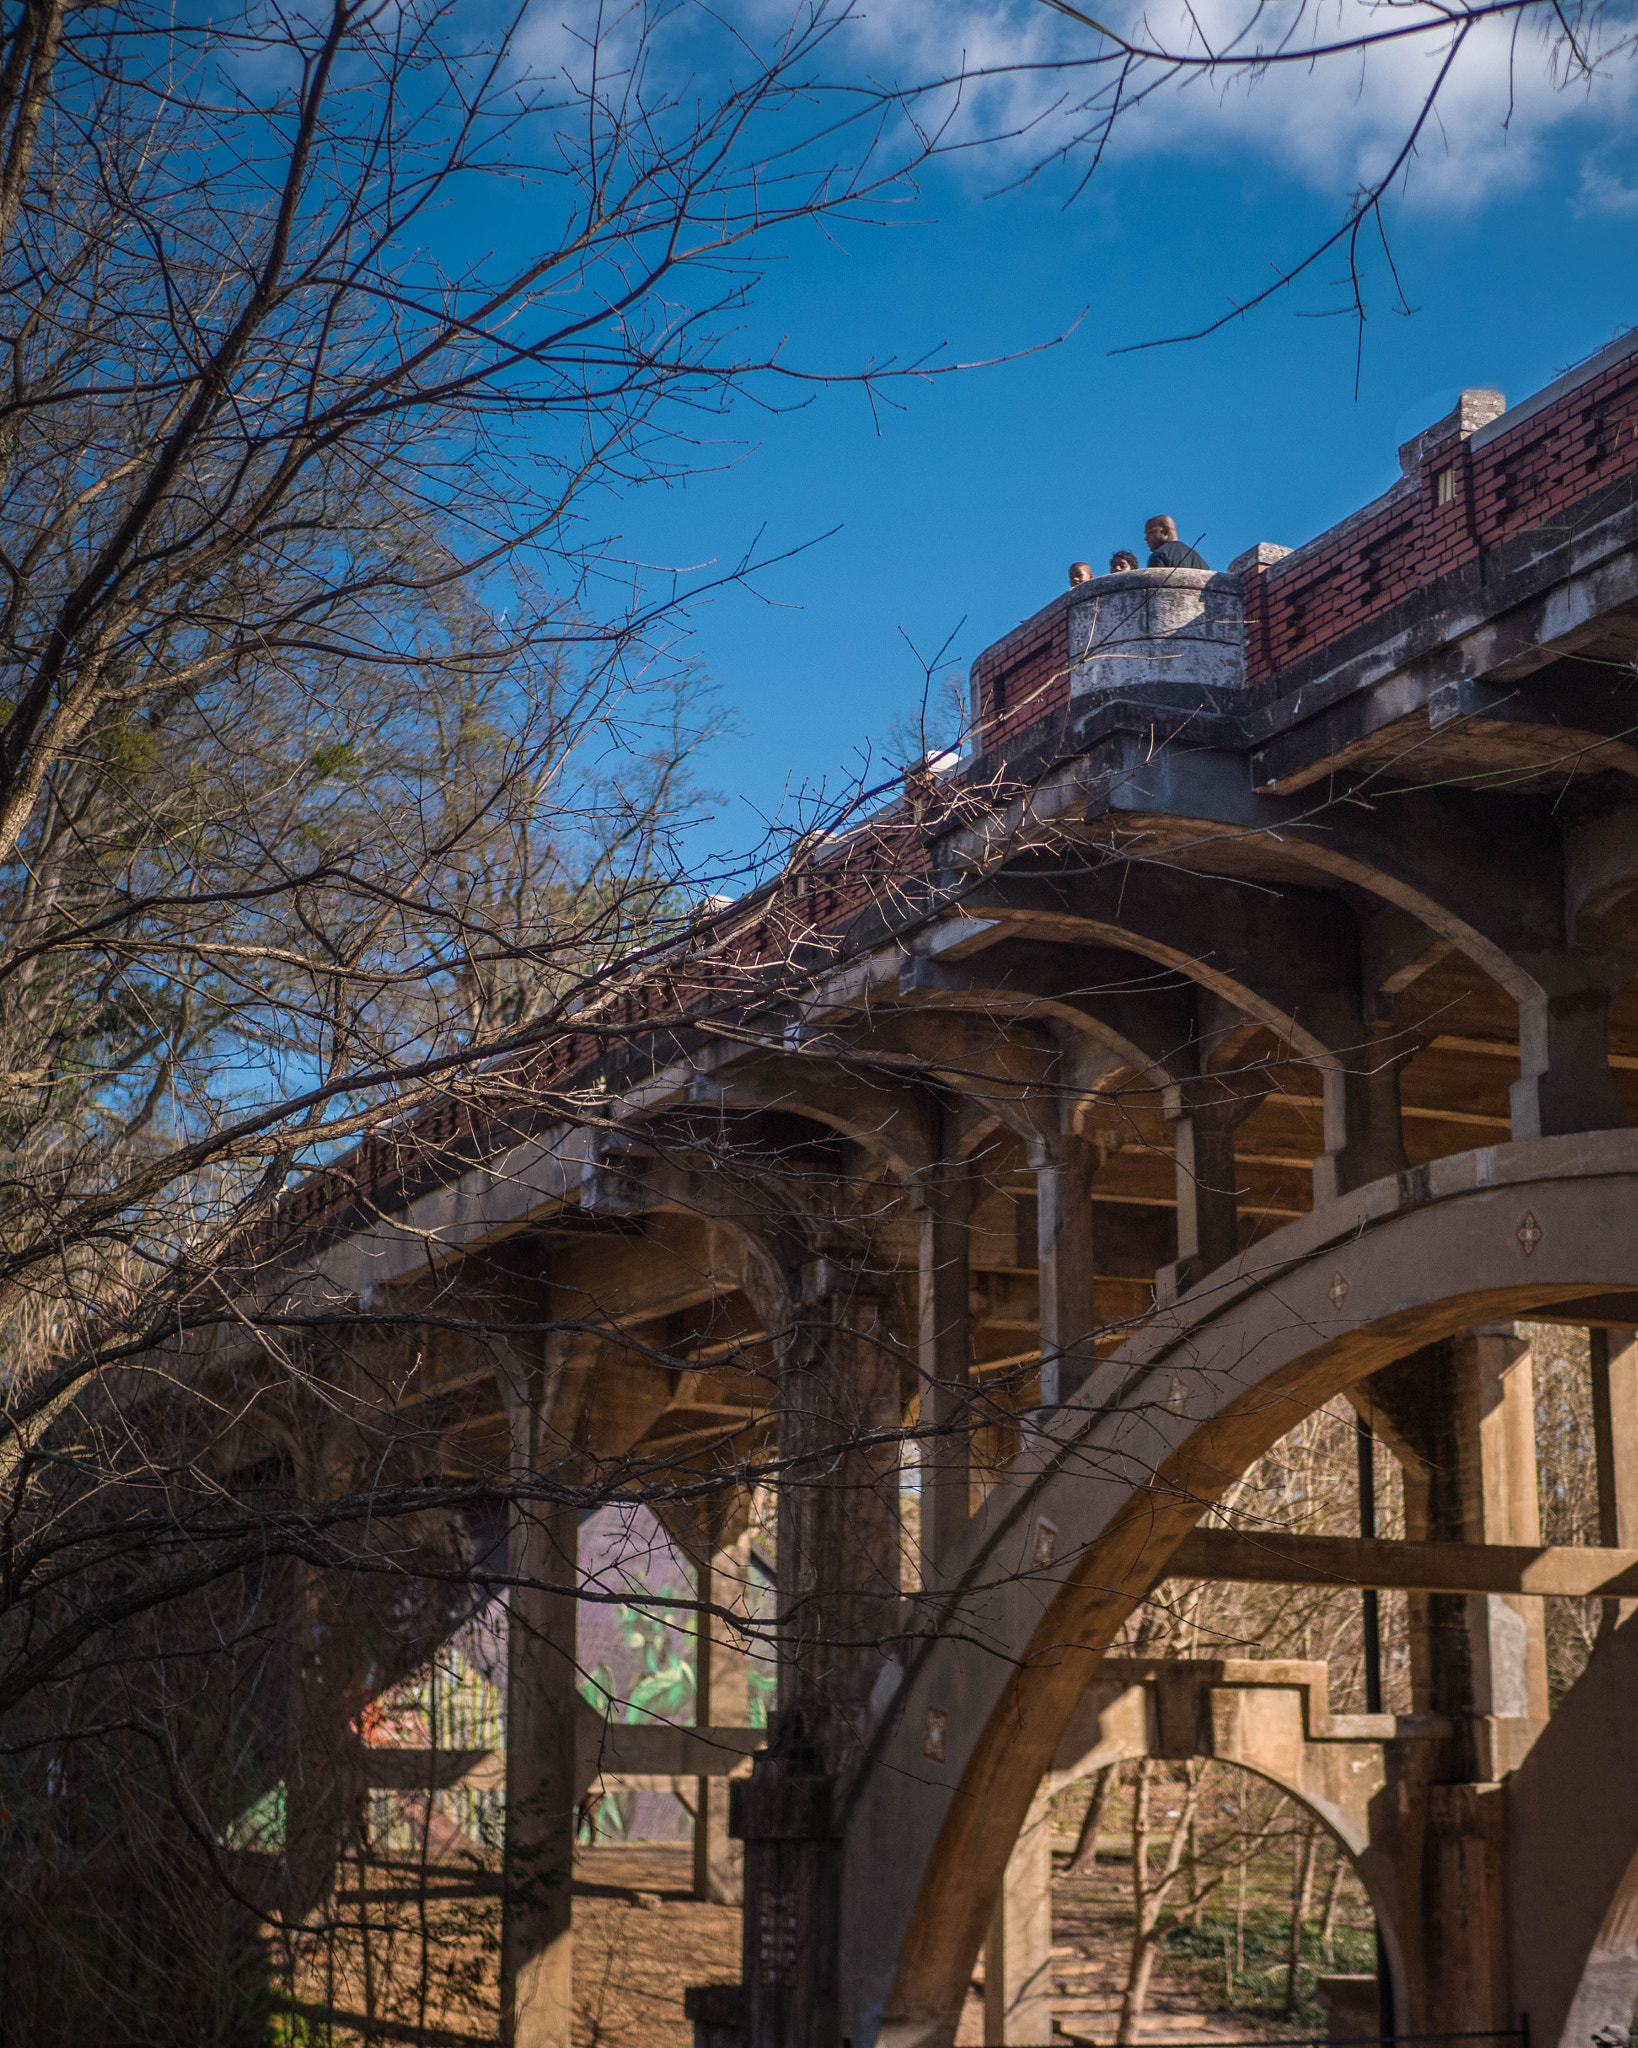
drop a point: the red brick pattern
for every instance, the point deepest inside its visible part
(1023, 677)
(1554, 460)
(1550, 462)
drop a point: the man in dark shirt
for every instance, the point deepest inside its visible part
(1168, 552)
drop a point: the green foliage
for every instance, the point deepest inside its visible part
(762, 1691)
(337, 761)
(1252, 1978)
(127, 750)
(287, 2028)
(261, 1825)
(663, 1689)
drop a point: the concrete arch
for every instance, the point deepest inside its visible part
(1061, 1553)
(1269, 1719)
(1134, 1021)
(1287, 961)
(891, 1119)
(1435, 856)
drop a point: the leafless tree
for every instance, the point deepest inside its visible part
(342, 756)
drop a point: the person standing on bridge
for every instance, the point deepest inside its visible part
(1166, 550)
(1079, 572)
(1122, 561)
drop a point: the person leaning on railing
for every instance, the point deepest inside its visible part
(1166, 550)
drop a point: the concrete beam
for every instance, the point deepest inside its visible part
(1271, 1558)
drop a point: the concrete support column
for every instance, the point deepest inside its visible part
(838, 1501)
(1018, 1948)
(1064, 1167)
(323, 1748)
(1364, 1135)
(838, 1588)
(1503, 1505)
(785, 1813)
(324, 1763)
(721, 1699)
(1565, 1082)
(1615, 1440)
(1462, 1415)
(943, 1360)
(1465, 1912)
(1204, 1116)
(536, 1990)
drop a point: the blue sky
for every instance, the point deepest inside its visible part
(954, 513)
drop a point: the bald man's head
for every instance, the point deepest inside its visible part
(1161, 527)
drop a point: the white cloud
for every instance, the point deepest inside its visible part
(1336, 124)
(1604, 190)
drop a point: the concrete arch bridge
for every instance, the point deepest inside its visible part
(1249, 1019)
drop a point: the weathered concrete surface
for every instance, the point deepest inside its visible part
(1272, 1557)
(1173, 627)
(1156, 1434)
(1363, 1776)
(1018, 1946)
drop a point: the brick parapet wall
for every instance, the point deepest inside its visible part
(771, 942)
(1024, 677)
(1540, 461)
(1543, 459)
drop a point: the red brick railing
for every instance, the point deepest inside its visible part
(1467, 496)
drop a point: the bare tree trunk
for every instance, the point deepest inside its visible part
(1194, 1771)
(1194, 1862)
(1333, 1895)
(1085, 1853)
(423, 1874)
(1142, 1957)
(1148, 1900)
(1306, 1848)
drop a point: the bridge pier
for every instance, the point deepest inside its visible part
(1461, 1417)
(944, 1357)
(1614, 1360)
(323, 1760)
(838, 1591)
(1364, 1125)
(1064, 1165)
(838, 1564)
(1565, 1082)
(721, 1699)
(1204, 1115)
(542, 1786)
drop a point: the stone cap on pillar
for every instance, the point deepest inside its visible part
(787, 1797)
(772, 1805)
(720, 2012)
